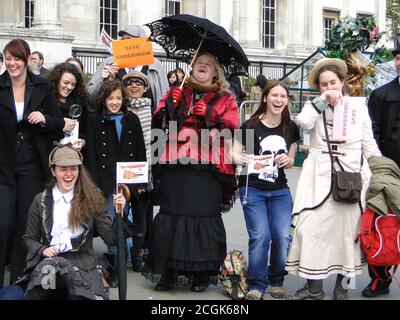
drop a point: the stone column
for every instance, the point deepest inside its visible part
(250, 23)
(380, 15)
(141, 12)
(296, 27)
(314, 25)
(47, 15)
(194, 7)
(220, 12)
(7, 14)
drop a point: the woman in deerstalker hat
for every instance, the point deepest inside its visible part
(325, 230)
(59, 233)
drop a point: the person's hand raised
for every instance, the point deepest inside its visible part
(333, 97)
(119, 202)
(176, 94)
(69, 124)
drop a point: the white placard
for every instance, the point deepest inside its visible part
(260, 163)
(132, 172)
(71, 136)
(347, 119)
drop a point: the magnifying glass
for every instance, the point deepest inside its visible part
(75, 111)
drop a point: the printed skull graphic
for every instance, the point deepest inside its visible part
(271, 145)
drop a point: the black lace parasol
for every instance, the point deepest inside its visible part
(181, 35)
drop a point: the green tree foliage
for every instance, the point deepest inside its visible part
(352, 34)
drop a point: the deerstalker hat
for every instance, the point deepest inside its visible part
(65, 155)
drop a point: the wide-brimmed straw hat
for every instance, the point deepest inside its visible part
(65, 155)
(320, 64)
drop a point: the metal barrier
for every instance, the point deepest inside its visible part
(246, 110)
(272, 70)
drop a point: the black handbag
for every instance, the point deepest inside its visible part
(346, 186)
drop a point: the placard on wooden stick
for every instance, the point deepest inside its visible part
(133, 52)
(132, 172)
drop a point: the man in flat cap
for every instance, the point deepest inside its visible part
(158, 82)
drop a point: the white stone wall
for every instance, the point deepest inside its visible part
(299, 23)
(81, 20)
(55, 47)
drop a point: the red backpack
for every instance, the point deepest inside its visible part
(380, 240)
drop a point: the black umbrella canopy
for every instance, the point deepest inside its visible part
(180, 36)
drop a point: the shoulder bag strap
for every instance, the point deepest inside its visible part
(328, 142)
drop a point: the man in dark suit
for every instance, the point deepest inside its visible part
(384, 109)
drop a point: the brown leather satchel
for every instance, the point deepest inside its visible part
(346, 186)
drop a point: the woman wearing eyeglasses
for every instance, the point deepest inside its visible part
(114, 135)
(137, 84)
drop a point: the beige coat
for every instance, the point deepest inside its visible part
(315, 179)
(325, 230)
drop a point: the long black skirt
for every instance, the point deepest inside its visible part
(188, 235)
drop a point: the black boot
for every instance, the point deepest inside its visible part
(200, 281)
(137, 259)
(164, 284)
(166, 281)
(112, 269)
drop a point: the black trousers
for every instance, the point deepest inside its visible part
(7, 213)
(139, 207)
(29, 182)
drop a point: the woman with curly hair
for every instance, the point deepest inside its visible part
(67, 80)
(59, 234)
(114, 134)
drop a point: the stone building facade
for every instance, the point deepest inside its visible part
(268, 30)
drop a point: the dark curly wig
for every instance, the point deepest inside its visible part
(106, 89)
(55, 74)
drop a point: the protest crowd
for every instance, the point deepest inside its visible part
(85, 159)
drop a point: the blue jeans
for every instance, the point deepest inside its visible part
(268, 219)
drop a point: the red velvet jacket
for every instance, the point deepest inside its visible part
(221, 113)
